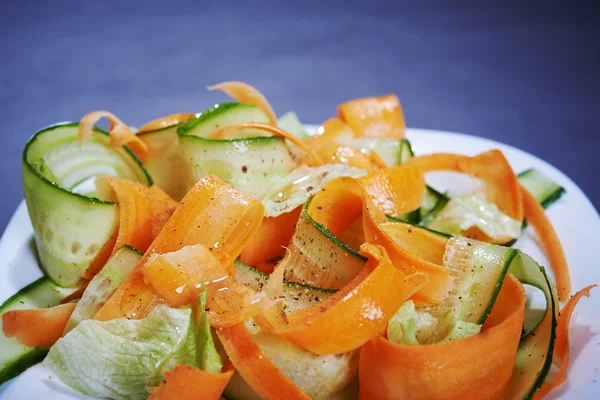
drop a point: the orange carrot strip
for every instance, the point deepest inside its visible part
(439, 283)
(500, 182)
(397, 190)
(214, 214)
(135, 217)
(374, 117)
(254, 366)
(337, 205)
(180, 276)
(354, 314)
(245, 93)
(185, 382)
(120, 133)
(536, 217)
(561, 345)
(268, 242)
(223, 132)
(142, 213)
(333, 153)
(420, 242)
(165, 122)
(478, 367)
(163, 206)
(40, 327)
(334, 129)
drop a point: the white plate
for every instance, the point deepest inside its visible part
(574, 218)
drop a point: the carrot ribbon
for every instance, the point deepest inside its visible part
(374, 117)
(247, 94)
(142, 213)
(254, 366)
(500, 182)
(213, 214)
(39, 327)
(185, 382)
(536, 217)
(561, 345)
(478, 367)
(120, 133)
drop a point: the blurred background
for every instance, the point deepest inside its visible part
(523, 73)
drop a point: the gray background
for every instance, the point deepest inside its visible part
(523, 73)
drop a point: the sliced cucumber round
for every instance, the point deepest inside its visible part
(252, 165)
(164, 161)
(478, 270)
(544, 189)
(222, 115)
(103, 285)
(318, 258)
(534, 355)
(70, 228)
(320, 377)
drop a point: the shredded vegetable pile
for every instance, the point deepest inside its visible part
(232, 254)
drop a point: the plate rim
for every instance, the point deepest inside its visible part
(16, 222)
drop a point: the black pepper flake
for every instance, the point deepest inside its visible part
(244, 169)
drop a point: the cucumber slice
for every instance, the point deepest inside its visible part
(15, 357)
(478, 270)
(534, 355)
(71, 228)
(222, 115)
(544, 189)
(473, 211)
(295, 295)
(392, 151)
(102, 287)
(252, 165)
(289, 122)
(320, 377)
(319, 258)
(164, 161)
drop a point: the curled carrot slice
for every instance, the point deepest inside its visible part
(135, 218)
(536, 217)
(269, 240)
(333, 153)
(165, 122)
(561, 345)
(500, 182)
(223, 132)
(120, 133)
(354, 314)
(179, 276)
(254, 366)
(374, 117)
(185, 382)
(213, 214)
(420, 242)
(478, 367)
(40, 327)
(397, 190)
(247, 94)
(334, 130)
